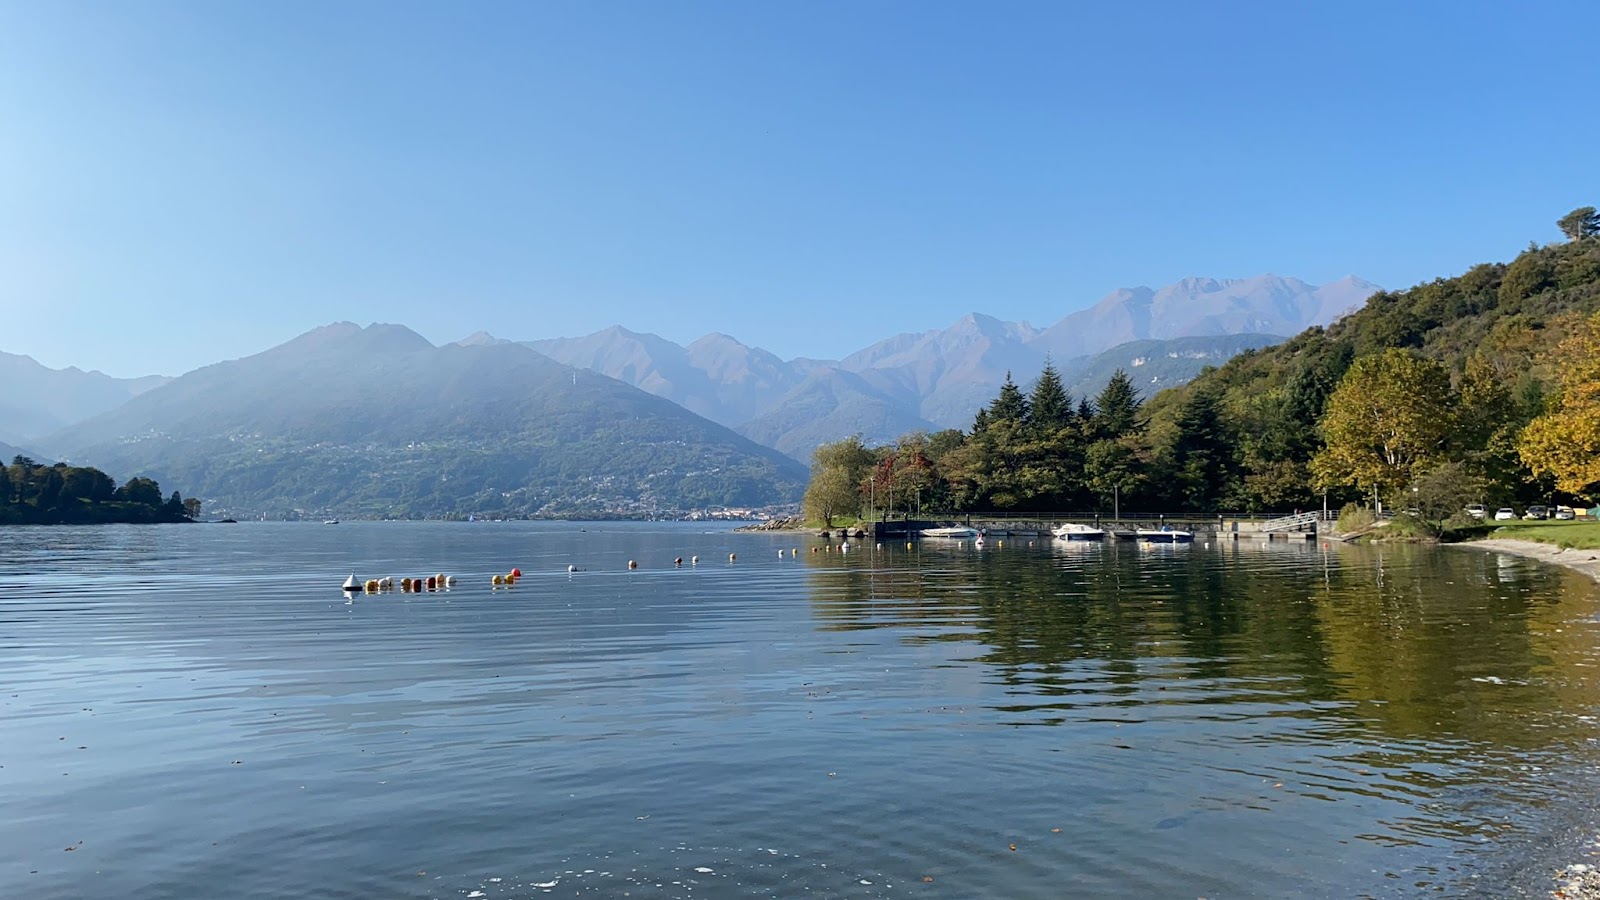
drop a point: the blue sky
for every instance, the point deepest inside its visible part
(185, 183)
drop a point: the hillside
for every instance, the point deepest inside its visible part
(377, 421)
(1155, 366)
(1493, 329)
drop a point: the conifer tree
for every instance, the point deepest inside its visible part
(1117, 408)
(1049, 407)
(1011, 405)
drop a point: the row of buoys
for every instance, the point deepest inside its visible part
(506, 580)
(408, 585)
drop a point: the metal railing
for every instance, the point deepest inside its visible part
(1295, 522)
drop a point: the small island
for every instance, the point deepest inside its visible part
(36, 494)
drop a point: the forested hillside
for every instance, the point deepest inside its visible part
(1422, 397)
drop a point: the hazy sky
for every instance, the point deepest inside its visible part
(185, 183)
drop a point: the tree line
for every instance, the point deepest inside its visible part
(33, 493)
(1484, 388)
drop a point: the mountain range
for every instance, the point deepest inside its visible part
(379, 421)
(36, 400)
(940, 378)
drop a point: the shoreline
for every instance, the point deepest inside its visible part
(1577, 881)
(1586, 562)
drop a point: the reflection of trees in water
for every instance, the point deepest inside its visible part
(1420, 642)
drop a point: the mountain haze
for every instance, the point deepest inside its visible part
(378, 421)
(36, 400)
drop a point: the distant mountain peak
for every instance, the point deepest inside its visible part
(480, 339)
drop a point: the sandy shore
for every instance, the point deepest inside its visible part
(1585, 561)
(1579, 881)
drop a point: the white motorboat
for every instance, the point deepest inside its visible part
(952, 533)
(1166, 534)
(1077, 531)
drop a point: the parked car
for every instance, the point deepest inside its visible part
(1477, 510)
(1537, 512)
(1564, 513)
(1504, 513)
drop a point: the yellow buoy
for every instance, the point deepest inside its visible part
(499, 579)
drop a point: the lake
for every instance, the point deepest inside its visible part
(197, 711)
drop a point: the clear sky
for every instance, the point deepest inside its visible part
(186, 183)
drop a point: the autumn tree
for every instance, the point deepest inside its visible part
(1565, 442)
(1390, 414)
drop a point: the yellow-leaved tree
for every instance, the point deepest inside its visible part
(1387, 419)
(1564, 443)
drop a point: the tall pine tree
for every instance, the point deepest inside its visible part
(1049, 407)
(1117, 408)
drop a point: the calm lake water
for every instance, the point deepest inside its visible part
(196, 711)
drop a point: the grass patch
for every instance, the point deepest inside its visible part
(1573, 535)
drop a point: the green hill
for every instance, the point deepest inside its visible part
(1493, 328)
(379, 422)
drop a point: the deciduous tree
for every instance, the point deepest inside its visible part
(1390, 414)
(1565, 442)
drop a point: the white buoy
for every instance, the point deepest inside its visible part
(350, 584)
(571, 569)
(731, 557)
(694, 560)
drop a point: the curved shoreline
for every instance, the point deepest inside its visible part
(1578, 881)
(1585, 561)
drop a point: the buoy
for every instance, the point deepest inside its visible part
(780, 554)
(678, 561)
(372, 585)
(571, 569)
(813, 549)
(350, 584)
(793, 552)
(432, 584)
(731, 557)
(694, 560)
(450, 581)
(632, 564)
(498, 579)
(908, 545)
(880, 545)
(516, 573)
(844, 547)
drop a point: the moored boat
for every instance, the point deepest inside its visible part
(1077, 531)
(1166, 534)
(951, 533)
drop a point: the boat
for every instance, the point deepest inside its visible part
(1077, 531)
(951, 533)
(1166, 534)
(330, 521)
